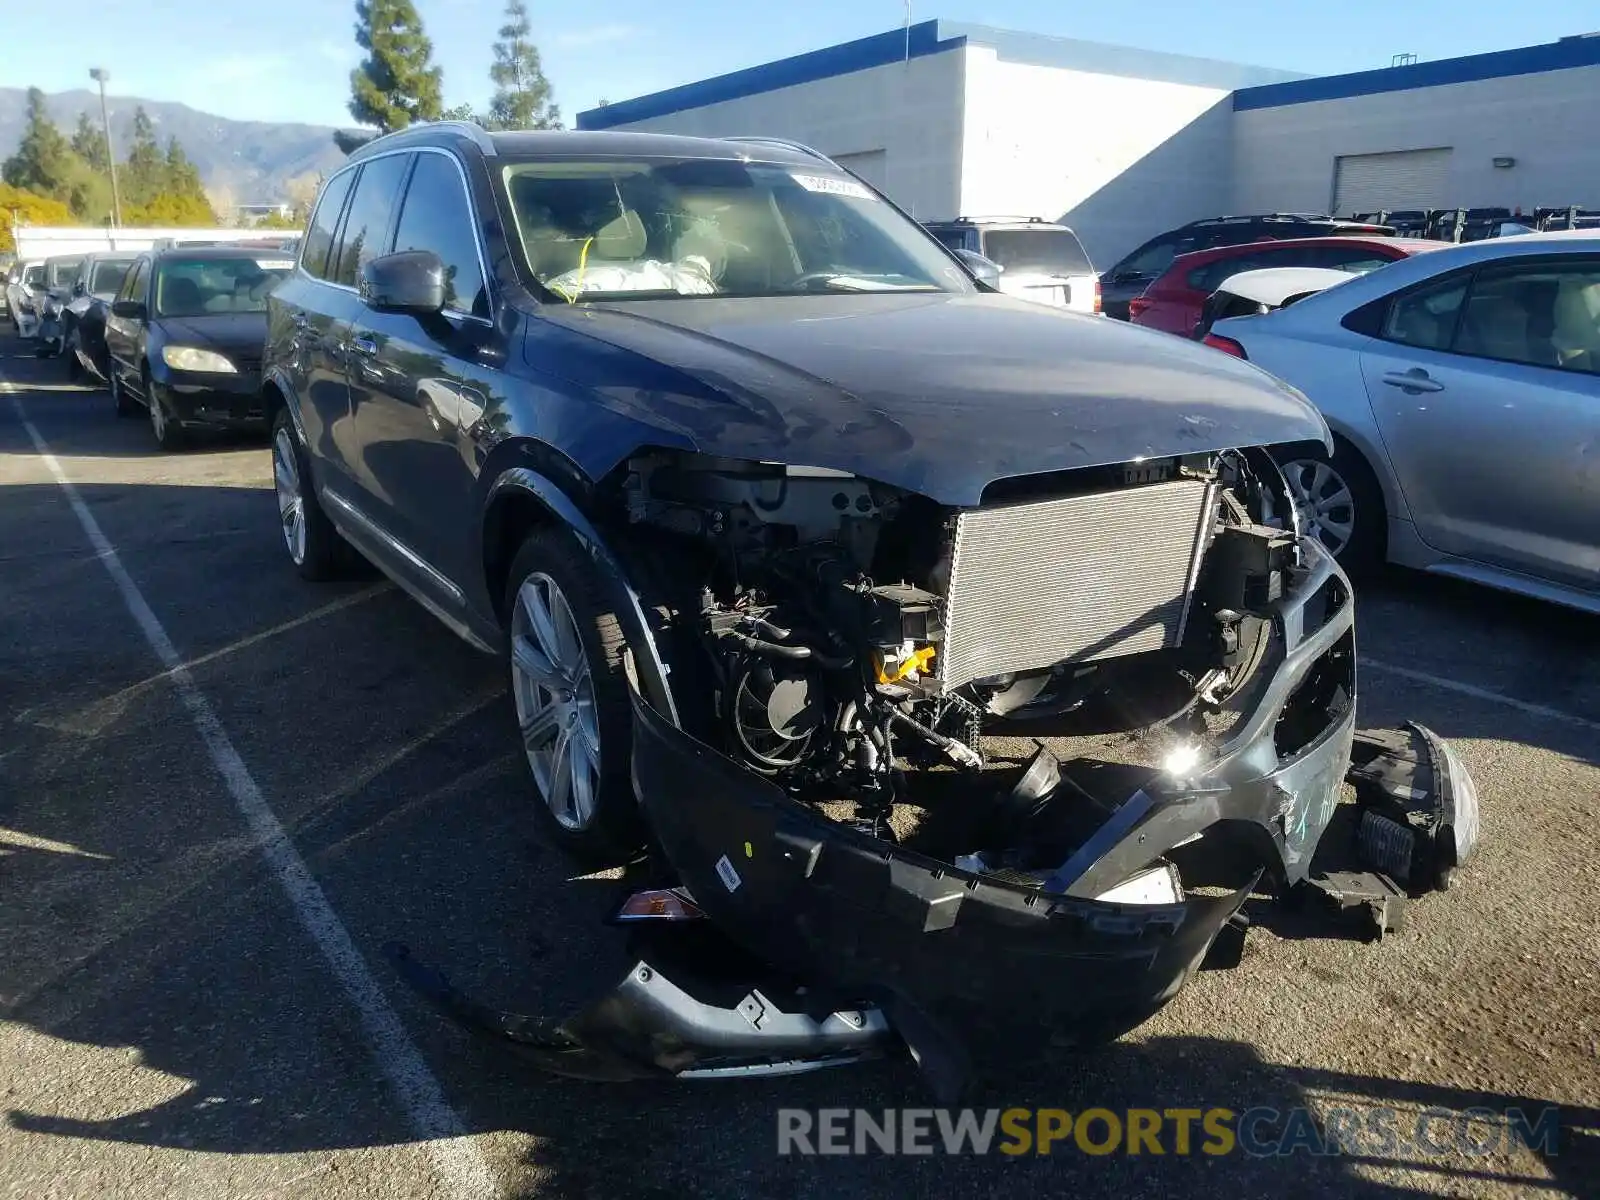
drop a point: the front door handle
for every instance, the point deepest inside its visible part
(364, 346)
(1414, 380)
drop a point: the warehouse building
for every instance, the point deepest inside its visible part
(964, 120)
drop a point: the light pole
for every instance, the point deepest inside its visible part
(100, 75)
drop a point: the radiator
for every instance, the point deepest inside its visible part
(1076, 578)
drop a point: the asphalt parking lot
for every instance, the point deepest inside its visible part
(205, 844)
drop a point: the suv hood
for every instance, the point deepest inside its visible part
(940, 394)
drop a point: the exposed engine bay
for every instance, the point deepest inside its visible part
(861, 638)
(960, 780)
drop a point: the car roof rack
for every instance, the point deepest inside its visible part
(787, 144)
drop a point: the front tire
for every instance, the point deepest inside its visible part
(169, 436)
(570, 699)
(119, 399)
(1340, 503)
(314, 545)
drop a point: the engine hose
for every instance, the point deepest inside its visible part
(959, 752)
(772, 649)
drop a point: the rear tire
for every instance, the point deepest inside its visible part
(569, 699)
(314, 545)
(1340, 503)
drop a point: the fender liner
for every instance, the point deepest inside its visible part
(651, 667)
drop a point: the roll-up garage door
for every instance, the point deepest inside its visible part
(1398, 179)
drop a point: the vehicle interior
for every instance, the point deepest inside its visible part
(713, 228)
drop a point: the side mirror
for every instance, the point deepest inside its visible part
(132, 309)
(985, 271)
(411, 281)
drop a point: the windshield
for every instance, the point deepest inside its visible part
(1037, 251)
(63, 271)
(707, 227)
(108, 274)
(198, 287)
(34, 276)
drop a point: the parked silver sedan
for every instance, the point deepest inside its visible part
(1463, 391)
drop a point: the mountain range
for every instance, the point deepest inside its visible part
(240, 162)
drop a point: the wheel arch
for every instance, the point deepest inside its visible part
(278, 394)
(521, 500)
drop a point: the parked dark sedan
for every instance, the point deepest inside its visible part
(777, 519)
(184, 338)
(84, 321)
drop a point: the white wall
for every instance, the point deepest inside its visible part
(1115, 157)
(1284, 157)
(910, 111)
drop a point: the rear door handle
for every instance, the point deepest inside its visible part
(1414, 380)
(363, 346)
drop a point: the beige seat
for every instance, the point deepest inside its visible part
(1576, 332)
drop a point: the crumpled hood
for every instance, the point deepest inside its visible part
(939, 394)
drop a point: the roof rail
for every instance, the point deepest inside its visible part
(468, 129)
(801, 147)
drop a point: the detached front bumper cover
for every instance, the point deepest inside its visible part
(836, 946)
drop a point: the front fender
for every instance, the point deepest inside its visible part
(648, 662)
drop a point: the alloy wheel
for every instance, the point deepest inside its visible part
(158, 418)
(291, 502)
(552, 687)
(1325, 502)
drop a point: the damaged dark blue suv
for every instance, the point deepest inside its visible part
(952, 668)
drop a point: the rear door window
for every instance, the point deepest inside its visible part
(324, 225)
(1209, 277)
(1426, 317)
(1357, 260)
(366, 228)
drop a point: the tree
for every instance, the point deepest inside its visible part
(144, 175)
(30, 208)
(521, 92)
(182, 177)
(279, 221)
(302, 194)
(397, 83)
(44, 160)
(89, 143)
(461, 112)
(166, 209)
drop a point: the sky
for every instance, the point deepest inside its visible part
(290, 60)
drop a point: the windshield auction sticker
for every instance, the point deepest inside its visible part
(832, 185)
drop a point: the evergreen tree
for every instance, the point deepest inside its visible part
(461, 112)
(144, 175)
(521, 92)
(396, 84)
(89, 143)
(182, 176)
(44, 160)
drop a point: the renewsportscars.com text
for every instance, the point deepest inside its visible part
(1255, 1132)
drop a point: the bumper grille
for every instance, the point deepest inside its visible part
(1077, 578)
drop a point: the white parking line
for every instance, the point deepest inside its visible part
(456, 1157)
(1477, 693)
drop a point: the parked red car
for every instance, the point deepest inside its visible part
(1173, 300)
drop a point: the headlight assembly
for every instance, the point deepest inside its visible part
(192, 358)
